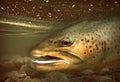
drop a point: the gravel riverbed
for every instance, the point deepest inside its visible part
(14, 69)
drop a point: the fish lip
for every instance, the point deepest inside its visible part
(48, 61)
(35, 58)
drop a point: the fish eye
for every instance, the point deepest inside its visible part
(66, 42)
(63, 43)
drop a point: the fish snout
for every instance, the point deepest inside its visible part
(37, 53)
(47, 61)
(51, 60)
(46, 57)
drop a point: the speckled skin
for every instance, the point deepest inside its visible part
(87, 44)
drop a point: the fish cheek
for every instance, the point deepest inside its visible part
(86, 48)
(80, 49)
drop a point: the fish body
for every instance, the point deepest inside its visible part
(87, 44)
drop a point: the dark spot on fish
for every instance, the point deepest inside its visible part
(104, 43)
(90, 46)
(86, 46)
(96, 45)
(104, 33)
(82, 40)
(84, 52)
(92, 38)
(108, 40)
(90, 50)
(87, 41)
(101, 43)
(93, 56)
(114, 32)
(97, 48)
(88, 35)
(97, 30)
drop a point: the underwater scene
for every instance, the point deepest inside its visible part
(59, 41)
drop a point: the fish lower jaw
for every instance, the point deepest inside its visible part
(49, 61)
(50, 65)
(52, 61)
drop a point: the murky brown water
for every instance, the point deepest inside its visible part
(56, 14)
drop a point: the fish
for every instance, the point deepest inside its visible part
(88, 44)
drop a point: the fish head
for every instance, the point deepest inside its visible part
(54, 53)
(64, 50)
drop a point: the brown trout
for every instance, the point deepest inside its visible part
(91, 43)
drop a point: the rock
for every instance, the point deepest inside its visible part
(105, 70)
(13, 74)
(55, 77)
(117, 76)
(88, 71)
(22, 70)
(27, 79)
(105, 79)
(22, 75)
(83, 79)
(8, 80)
(36, 80)
(33, 73)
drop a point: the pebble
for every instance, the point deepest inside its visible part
(55, 77)
(27, 79)
(105, 79)
(105, 70)
(88, 71)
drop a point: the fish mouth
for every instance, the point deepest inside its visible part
(59, 60)
(47, 60)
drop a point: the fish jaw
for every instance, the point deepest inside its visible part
(51, 60)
